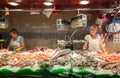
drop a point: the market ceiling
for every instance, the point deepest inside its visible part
(58, 4)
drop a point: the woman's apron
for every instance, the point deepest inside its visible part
(15, 44)
(94, 44)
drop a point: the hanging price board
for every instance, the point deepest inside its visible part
(62, 25)
(3, 23)
(79, 21)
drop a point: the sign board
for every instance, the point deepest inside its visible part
(3, 23)
(62, 25)
(79, 21)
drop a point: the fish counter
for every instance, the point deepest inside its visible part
(57, 62)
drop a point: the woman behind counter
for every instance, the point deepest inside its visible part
(93, 41)
(17, 42)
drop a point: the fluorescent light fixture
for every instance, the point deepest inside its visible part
(13, 3)
(34, 13)
(48, 3)
(84, 2)
(18, 0)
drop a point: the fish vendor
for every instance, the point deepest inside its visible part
(17, 42)
(93, 41)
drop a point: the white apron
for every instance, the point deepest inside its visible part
(94, 44)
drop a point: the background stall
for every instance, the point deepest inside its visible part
(39, 21)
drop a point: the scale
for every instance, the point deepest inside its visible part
(2, 41)
(78, 21)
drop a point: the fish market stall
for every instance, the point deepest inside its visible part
(57, 62)
(60, 38)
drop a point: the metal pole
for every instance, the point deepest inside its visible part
(80, 9)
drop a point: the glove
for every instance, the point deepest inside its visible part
(106, 53)
(18, 49)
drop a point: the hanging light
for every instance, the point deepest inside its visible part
(48, 3)
(84, 2)
(13, 3)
